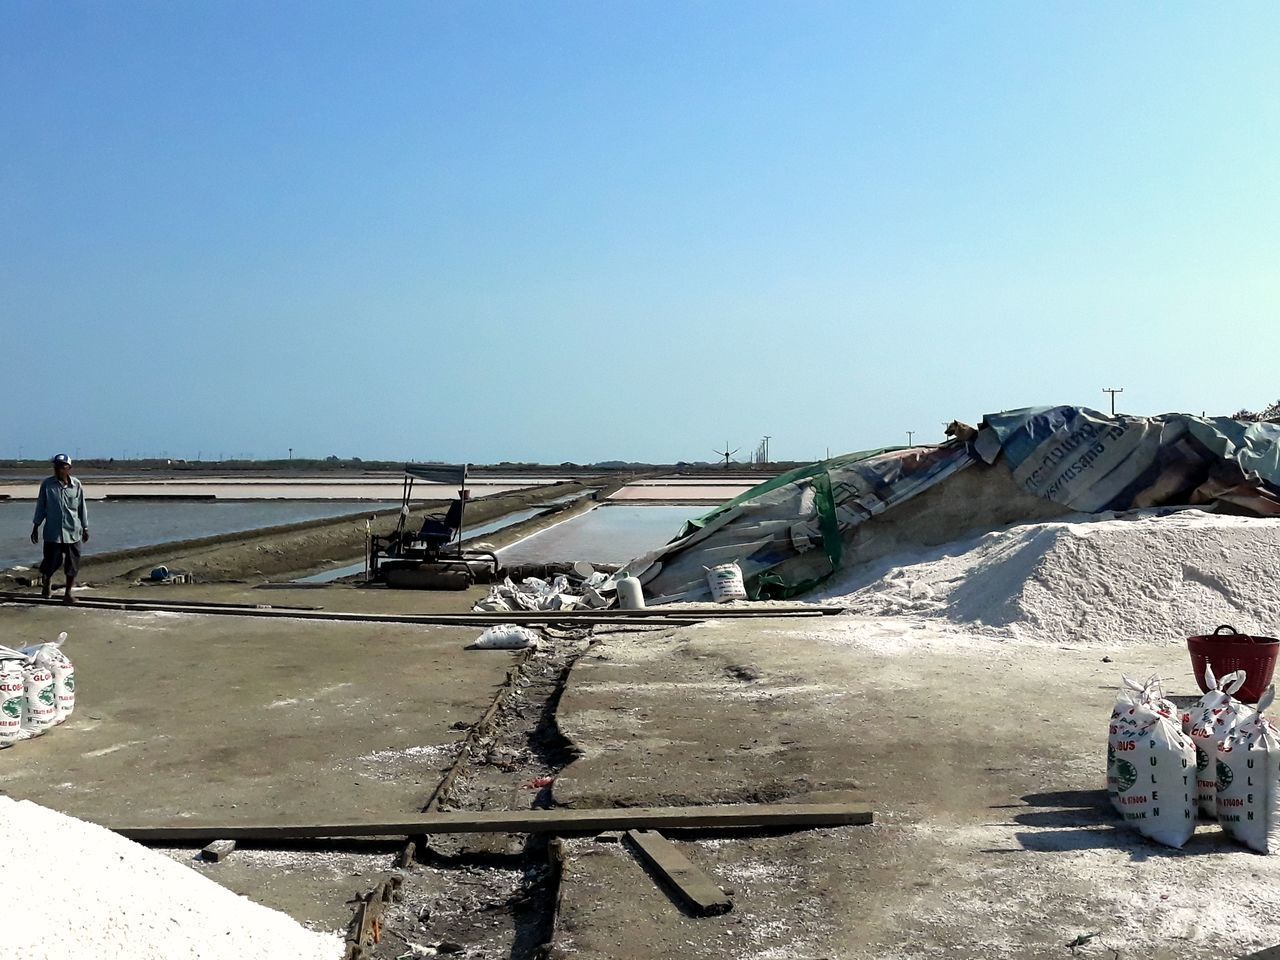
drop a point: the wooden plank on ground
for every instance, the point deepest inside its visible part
(218, 850)
(557, 821)
(692, 887)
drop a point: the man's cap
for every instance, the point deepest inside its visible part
(61, 460)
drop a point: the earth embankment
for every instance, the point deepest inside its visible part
(294, 549)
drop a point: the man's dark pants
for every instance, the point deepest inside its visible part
(65, 555)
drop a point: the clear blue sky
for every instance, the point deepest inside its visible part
(625, 230)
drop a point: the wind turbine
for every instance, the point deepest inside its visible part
(727, 454)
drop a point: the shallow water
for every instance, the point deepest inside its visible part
(712, 493)
(126, 525)
(607, 534)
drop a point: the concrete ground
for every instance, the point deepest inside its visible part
(983, 761)
(335, 598)
(240, 720)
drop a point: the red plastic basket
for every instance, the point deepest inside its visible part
(1231, 650)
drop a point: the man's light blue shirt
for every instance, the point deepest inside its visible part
(62, 511)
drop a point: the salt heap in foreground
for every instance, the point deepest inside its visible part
(80, 892)
(1134, 577)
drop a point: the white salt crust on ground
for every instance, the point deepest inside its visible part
(1137, 577)
(80, 892)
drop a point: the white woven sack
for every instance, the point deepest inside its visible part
(1155, 778)
(725, 581)
(1124, 719)
(12, 694)
(1208, 723)
(1248, 781)
(40, 704)
(505, 636)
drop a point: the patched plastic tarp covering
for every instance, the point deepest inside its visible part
(1090, 462)
(789, 534)
(805, 514)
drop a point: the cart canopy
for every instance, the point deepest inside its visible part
(454, 473)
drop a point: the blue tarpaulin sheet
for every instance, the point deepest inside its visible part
(1089, 461)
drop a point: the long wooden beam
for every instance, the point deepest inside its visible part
(656, 615)
(557, 821)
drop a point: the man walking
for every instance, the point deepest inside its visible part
(60, 507)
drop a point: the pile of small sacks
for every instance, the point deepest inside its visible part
(37, 690)
(1221, 759)
(535, 594)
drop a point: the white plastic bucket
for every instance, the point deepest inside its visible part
(725, 581)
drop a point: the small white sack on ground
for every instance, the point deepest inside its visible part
(725, 581)
(1248, 784)
(505, 636)
(1208, 723)
(1155, 769)
(1124, 719)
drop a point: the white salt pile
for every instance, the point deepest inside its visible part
(80, 892)
(1134, 577)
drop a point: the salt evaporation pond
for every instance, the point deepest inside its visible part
(125, 525)
(607, 534)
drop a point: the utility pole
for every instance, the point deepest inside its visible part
(1113, 397)
(910, 434)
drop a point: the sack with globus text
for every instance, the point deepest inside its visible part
(39, 701)
(1208, 723)
(54, 657)
(1155, 766)
(1248, 785)
(1124, 719)
(12, 693)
